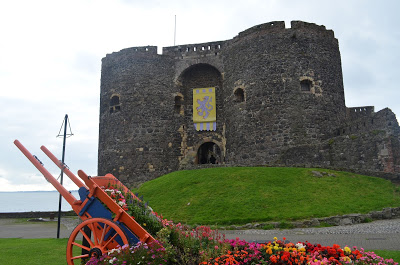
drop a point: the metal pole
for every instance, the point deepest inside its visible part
(175, 31)
(62, 173)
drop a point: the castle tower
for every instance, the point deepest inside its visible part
(276, 93)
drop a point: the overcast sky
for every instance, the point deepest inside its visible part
(51, 51)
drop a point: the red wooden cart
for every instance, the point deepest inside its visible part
(102, 228)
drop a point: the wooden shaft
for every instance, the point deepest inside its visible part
(71, 175)
(67, 196)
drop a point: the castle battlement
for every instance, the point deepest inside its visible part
(274, 26)
(200, 49)
(132, 51)
(359, 112)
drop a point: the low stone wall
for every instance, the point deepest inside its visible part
(35, 214)
(348, 219)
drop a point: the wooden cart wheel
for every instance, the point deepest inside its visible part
(105, 235)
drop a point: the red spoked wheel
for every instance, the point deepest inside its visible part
(101, 235)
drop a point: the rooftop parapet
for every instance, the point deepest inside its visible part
(311, 27)
(298, 29)
(359, 112)
(208, 48)
(268, 27)
(132, 51)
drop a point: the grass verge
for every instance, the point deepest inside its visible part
(239, 195)
(388, 254)
(44, 251)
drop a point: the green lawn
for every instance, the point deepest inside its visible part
(389, 254)
(44, 251)
(255, 194)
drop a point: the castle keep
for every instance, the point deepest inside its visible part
(278, 98)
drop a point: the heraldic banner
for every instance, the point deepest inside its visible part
(204, 109)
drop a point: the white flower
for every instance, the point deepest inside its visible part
(121, 203)
(300, 245)
(112, 260)
(114, 250)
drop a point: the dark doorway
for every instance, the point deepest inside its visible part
(209, 153)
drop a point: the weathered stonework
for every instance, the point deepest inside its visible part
(280, 102)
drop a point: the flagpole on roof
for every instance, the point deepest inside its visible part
(175, 31)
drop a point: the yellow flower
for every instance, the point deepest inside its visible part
(275, 238)
(144, 224)
(347, 250)
(346, 259)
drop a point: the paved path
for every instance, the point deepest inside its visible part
(383, 234)
(16, 228)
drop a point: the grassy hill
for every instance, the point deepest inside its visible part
(241, 195)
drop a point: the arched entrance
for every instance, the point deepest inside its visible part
(209, 153)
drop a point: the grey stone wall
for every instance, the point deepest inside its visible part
(280, 101)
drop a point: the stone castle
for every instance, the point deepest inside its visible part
(279, 101)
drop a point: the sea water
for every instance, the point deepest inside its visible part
(33, 201)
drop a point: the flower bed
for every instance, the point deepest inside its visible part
(180, 244)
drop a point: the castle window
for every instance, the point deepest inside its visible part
(305, 85)
(115, 106)
(178, 104)
(239, 95)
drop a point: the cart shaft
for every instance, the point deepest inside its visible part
(62, 167)
(65, 193)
